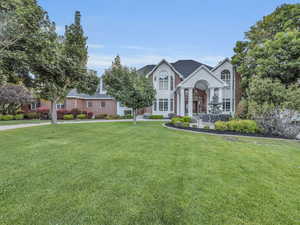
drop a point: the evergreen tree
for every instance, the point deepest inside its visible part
(61, 65)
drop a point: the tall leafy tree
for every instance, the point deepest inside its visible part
(20, 21)
(61, 64)
(128, 87)
(264, 47)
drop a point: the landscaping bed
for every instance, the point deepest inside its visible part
(213, 131)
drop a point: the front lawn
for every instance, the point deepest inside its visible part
(121, 174)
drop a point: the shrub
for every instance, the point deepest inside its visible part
(186, 119)
(75, 112)
(156, 117)
(7, 117)
(113, 117)
(100, 116)
(31, 115)
(90, 115)
(19, 117)
(68, 117)
(186, 124)
(243, 126)
(62, 112)
(175, 120)
(43, 113)
(206, 127)
(81, 116)
(127, 117)
(220, 125)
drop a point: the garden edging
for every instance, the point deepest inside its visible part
(192, 130)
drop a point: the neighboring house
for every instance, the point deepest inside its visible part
(185, 87)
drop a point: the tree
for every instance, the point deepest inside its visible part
(20, 21)
(12, 97)
(128, 87)
(264, 47)
(274, 105)
(61, 64)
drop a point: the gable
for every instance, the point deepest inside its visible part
(202, 73)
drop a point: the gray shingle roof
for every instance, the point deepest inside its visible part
(185, 67)
(73, 93)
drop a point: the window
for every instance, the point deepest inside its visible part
(163, 80)
(89, 104)
(121, 105)
(226, 104)
(225, 76)
(163, 104)
(60, 106)
(171, 104)
(154, 105)
(34, 105)
(103, 104)
(172, 83)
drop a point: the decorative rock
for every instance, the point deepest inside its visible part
(298, 137)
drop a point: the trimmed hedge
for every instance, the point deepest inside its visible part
(100, 116)
(156, 117)
(6, 117)
(19, 117)
(181, 121)
(68, 117)
(80, 116)
(31, 115)
(243, 126)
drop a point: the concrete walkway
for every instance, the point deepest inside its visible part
(10, 127)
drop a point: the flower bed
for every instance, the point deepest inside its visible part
(224, 132)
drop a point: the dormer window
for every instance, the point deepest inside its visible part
(163, 80)
(226, 77)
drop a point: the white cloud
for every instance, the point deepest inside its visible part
(95, 46)
(211, 60)
(101, 62)
(104, 61)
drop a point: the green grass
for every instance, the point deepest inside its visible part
(16, 122)
(121, 174)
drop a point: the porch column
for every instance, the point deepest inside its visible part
(190, 102)
(177, 103)
(221, 98)
(211, 94)
(182, 107)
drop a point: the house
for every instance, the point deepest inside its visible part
(185, 87)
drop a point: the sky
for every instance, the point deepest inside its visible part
(146, 31)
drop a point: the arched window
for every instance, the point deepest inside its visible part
(226, 77)
(163, 80)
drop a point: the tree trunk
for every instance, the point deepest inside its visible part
(53, 112)
(134, 116)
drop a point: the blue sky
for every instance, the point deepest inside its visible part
(145, 31)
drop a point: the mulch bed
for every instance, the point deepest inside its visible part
(212, 131)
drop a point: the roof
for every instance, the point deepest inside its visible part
(146, 69)
(74, 94)
(184, 67)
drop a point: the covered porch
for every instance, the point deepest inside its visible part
(195, 94)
